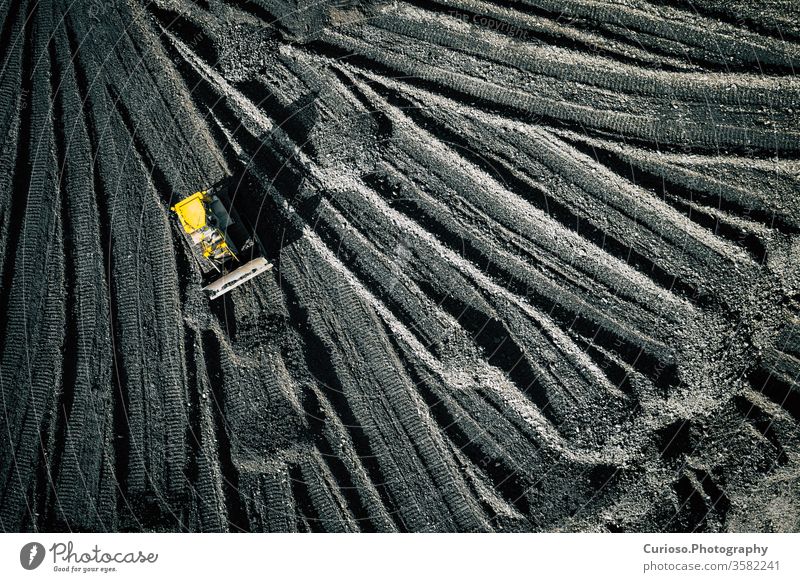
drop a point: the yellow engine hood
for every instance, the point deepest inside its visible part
(192, 212)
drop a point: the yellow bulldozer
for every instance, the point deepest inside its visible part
(220, 240)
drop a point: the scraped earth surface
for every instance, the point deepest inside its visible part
(537, 266)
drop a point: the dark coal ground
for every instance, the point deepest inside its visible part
(537, 266)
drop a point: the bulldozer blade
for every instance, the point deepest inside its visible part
(235, 278)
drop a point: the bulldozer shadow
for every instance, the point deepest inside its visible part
(273, 227)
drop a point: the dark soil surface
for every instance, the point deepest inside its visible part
(537, 266)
